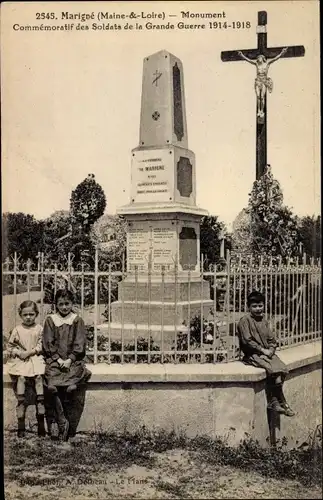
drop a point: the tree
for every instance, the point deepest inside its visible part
(241, 233)
(273, 227)
(309, 229)
(87, 204)
(267, 227)
(110, 234)
(211, 233)
(56, 237)
(22, 233)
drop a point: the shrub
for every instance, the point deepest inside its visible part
(103, 345)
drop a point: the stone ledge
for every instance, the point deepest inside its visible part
(294, 357)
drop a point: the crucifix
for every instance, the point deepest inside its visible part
(262, 57)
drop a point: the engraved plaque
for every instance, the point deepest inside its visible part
(184, 177)
(152, 177)
(188, 248)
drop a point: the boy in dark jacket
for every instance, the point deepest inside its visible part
(258, 346)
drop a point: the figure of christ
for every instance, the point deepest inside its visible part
(262, 81)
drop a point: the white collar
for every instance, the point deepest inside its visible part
(60, 320)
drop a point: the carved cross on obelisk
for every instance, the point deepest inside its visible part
(262, 57)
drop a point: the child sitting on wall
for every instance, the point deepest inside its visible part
(258, 345)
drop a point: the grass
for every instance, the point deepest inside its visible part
(159, 465)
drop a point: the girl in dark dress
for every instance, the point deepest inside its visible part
(258, 345)
(64, 343)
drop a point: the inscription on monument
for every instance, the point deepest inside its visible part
(164, 248)
(184, 177)
(188, 248)
(137, 248)
(152, 176)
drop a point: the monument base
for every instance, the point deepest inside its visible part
(157, 312)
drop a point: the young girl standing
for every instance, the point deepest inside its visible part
(26, 364)
(64, 342)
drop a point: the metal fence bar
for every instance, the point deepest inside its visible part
(149, 303)
(82, 290)
(299, 301)
(240, 285)
(308, 301)
(245, 288)
(312, 297)
(42, 287)
(270, 271)
(280, 274)
(289, 302)
(15, 269)
(304, 296)
(162, 313)
(201, 307)
(69, 270)
(96, 276)
(275, 302)
(234, 315)
(227, 301)
(136, 314)
(189, 317)
(175, 306)
(55, 286)
(28, 278)
(319, 300)
(109, 313)
(293, 302)
(122, 311)
(215, 330)
(315, 301)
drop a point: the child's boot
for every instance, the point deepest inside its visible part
(273, 402)
(63, 423)
(282, 401)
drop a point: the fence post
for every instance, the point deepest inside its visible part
(201, 309)
(227, 301)
(312, 295)
(122, 307)
(304, 296)
(42, 286)
(96, 276)
(15, 268)
(175, 305)
(82, 290)
(69, 264)
(109, 314)
(28, 278)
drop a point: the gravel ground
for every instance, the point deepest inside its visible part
(45, 470)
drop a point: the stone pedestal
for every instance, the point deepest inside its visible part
(163, 288)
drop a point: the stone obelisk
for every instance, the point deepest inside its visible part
(163, 284)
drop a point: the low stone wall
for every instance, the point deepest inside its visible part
(225, 400)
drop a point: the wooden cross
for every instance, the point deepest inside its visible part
(271, 53)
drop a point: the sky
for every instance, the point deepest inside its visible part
(71, 104)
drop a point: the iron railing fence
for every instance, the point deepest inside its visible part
(164, 321)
